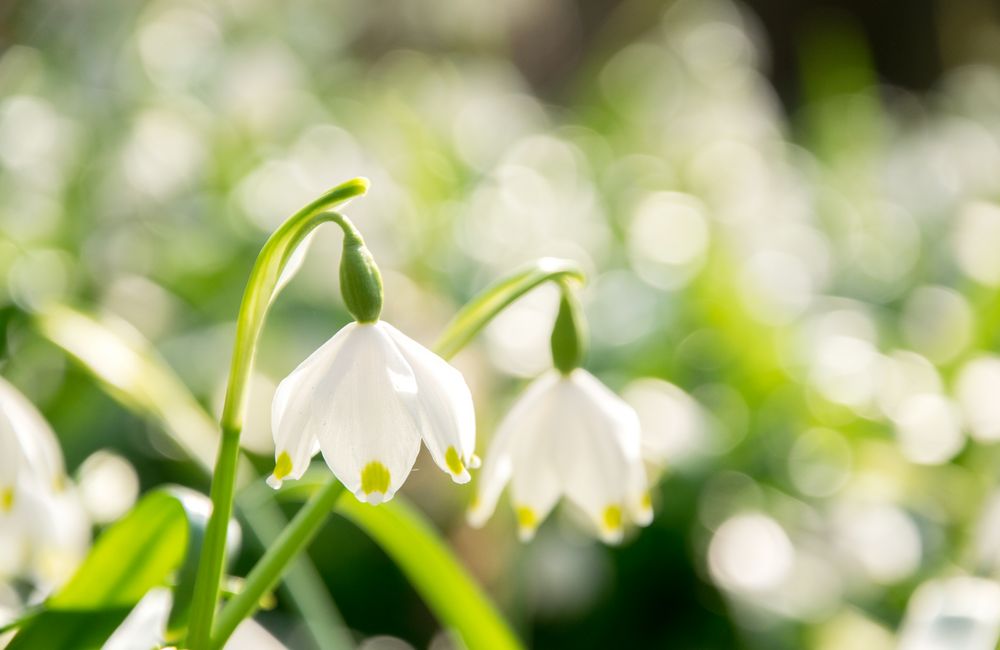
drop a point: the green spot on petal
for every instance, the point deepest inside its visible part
(283, 467)
(612, 518)
(375, 478)
(453, 462)
(647, 501)
(6, 499)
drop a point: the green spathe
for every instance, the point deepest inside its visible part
(568, 334)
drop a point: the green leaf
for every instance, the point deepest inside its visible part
(140, 551)
(410, 540)
(484, 307)
(76, 629)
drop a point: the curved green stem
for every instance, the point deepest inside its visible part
(269, 273)
(479, 311)
(266, 573)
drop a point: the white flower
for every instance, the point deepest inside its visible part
(146, 627)
(29, 452)
(43, 525)
(568, 435)
(366, 398)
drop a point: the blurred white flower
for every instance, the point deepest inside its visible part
(567, 435)
(45, 531)
(146, 627)
(959, 612)
(366, 398)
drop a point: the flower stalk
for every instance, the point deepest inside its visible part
(266, 573)
(274, 266)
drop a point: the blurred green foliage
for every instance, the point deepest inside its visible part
(818, 287)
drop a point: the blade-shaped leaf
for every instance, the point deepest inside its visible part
(140, 551)
(410, 540)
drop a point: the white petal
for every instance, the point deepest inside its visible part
(520, 427)
(366, 416)
(295, 441)
(145, 626)
(28, 441)
(535, 482)
(638, 500)
(624, 422)
(600, 452)
(448, 418)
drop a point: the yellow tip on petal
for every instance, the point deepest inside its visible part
(6, 499)
(282, 467)
(375, 478)
(611, 520)
(527, 522)
(452, 460)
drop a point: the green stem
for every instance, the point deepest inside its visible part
(266, 573)
(266, 279)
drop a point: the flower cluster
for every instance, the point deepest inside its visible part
(369, 395)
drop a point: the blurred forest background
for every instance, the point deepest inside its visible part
(789, 214)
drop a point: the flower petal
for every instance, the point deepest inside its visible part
(535, 482)
(448, 418)
(600, 452)
(639, 501)
(295, 441)
(366, 415)
(28, 442)
(523, 421)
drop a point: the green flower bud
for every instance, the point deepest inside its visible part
(360, 279)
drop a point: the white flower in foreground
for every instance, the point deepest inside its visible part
(29, 452)
(366, 398)
(44, 531)
(568, 435)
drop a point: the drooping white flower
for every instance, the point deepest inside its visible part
(366, 398)
(44, 529)
(568, 435)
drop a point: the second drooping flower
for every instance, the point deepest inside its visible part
(369, 395)
(568, 435)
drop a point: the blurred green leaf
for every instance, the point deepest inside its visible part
(137, 553)
(77, 629)
(413, 544)
(479, 311)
